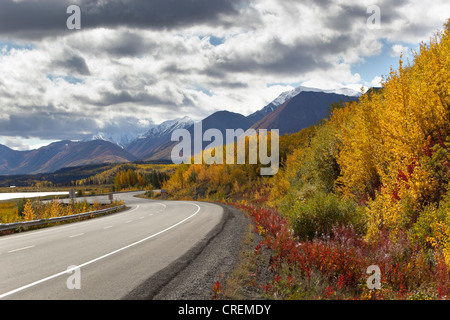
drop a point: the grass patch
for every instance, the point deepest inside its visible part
(251, 270)
(8, 211)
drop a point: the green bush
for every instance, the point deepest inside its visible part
(149, 194)
(21, 206)
(320, 166)
(318, 214)
(422, 230)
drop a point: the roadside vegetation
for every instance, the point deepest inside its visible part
(130, 177)
(113, 178)
(367, 186)
(36, 209)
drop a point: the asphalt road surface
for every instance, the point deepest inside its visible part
(103, 258)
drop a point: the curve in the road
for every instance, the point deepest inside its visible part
(70, 270)
(29, 258)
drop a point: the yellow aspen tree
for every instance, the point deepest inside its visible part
(389, 140)
(357, 127)
(415, 119)
(69, 210)
(28, 211)
(84, 209)
(96, 205)
(47, 209)
(55, 210)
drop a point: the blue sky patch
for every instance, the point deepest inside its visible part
(69, 79)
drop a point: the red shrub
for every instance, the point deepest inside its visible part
(342, 259)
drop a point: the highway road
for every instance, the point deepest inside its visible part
(103, 258)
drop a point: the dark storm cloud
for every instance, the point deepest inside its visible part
(229, 84)
(118, 43)
(31, 19)
(174, 69)
(157, 13)
(125, 82)
(50, 123)
(74, 64)
(300, 57)
(128, 44)
(45, 125)
(348, 15)
(109, 99)
(392, 10)
(123, 43)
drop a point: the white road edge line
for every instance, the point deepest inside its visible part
(70, 270)
(77, 235)
(25, 248)
(161, 204)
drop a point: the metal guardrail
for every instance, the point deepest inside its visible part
(34, 223)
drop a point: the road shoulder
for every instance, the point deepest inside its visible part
(192, 276)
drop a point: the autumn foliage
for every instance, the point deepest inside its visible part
(395, 143)
(334, 265)
(29, 210)
(367, 186)
(389, 153)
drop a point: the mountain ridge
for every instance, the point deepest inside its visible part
(288, 95)
(290, 112)
(62, 154)
(301, 111)
(144, 146)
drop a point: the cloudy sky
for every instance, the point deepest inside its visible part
(135, 63)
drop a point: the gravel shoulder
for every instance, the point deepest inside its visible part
(192, 276)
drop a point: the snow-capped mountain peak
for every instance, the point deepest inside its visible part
(98, 136)
(121, 139)
(288, 95)
(169, 126)
(285, 96)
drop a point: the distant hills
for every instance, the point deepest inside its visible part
(291, 112)
(60, 155)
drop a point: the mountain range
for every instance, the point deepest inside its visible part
(291, 112)
(60, 155)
